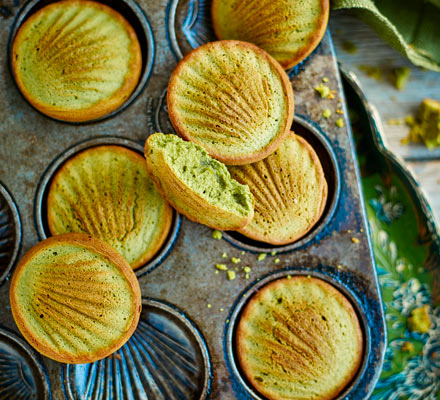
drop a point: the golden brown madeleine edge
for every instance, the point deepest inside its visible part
(307, 50)
(104, 106)
(183, 188)
(288, 92)
(241, 332)
(103, 249)
(168, 213)
(323, 187)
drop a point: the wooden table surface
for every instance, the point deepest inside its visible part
(391, 103)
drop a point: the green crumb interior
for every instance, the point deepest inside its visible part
(209, 178)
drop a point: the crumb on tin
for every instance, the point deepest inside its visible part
(235, 260)
(340, 122)
(355, 240)
(261, 256)
(231, 275)
(327, 113)
(217, 235)
(221, 267)
(277, 260)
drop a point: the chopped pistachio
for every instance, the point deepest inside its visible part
(261, 256)
(216, 272)
(339, 111)
(355, 240)
(227, 321)
(231, 275)
(221, 267)
(400, 77)
(217, 235)
(349, 47)
(331, 95)
(394, 121)
(325, 79)
(243, 253)
(362, 229)
(289, 276)
(348, 230)
(277, 260)
(419, 321)
(323, 90)
(224, 255)
(209, 305)
(246, 276)
(247, 269)
(340, 122)
(339, 266)
(372, 72)
(221, 309)
(235, 260)
(327, 113)
(273, 252)
(410, 120)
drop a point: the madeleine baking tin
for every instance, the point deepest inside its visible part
(191, 311)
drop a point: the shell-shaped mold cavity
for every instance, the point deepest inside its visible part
(41, 200)
(323, 149)
(166, 359)
(233, 99)
(22, 374)
(10, 233)
(99, 57)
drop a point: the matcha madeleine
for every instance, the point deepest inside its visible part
(76, 60)
(289, 30)
(196, 185)
(106, 191)
(75, 299)
(233, 99)
(289, 189)
(298, 339)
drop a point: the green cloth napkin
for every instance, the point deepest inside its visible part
(412, 27)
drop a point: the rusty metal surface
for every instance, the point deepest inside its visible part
(187, 278)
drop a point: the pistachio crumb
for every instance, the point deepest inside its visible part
(224, 255)
(309, 276)
(231, 275)
(217, 235)
(273, 252)
(355, 240)
(216, 272)
(339, 266)
(362, 229)
(221, 309)
(339, 111)
(243, 253)
(331, 95)
(323, 90)
(348, 230)
(401, 76)
(235, 260)
(227, 321)
(247, 269)
(261, 256)
(325, 79)
(277, 260)
(407, 347)
(327, 113)
(209, 305)
(221, 267)
(340, 122)
(246, 276)
(289, 276)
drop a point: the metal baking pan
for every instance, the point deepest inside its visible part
(190, 312)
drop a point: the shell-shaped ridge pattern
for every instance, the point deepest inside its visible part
(287, 29)
(106, 191)
(289, 190)
(162, 360)
(231, 99)
(76, 56)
